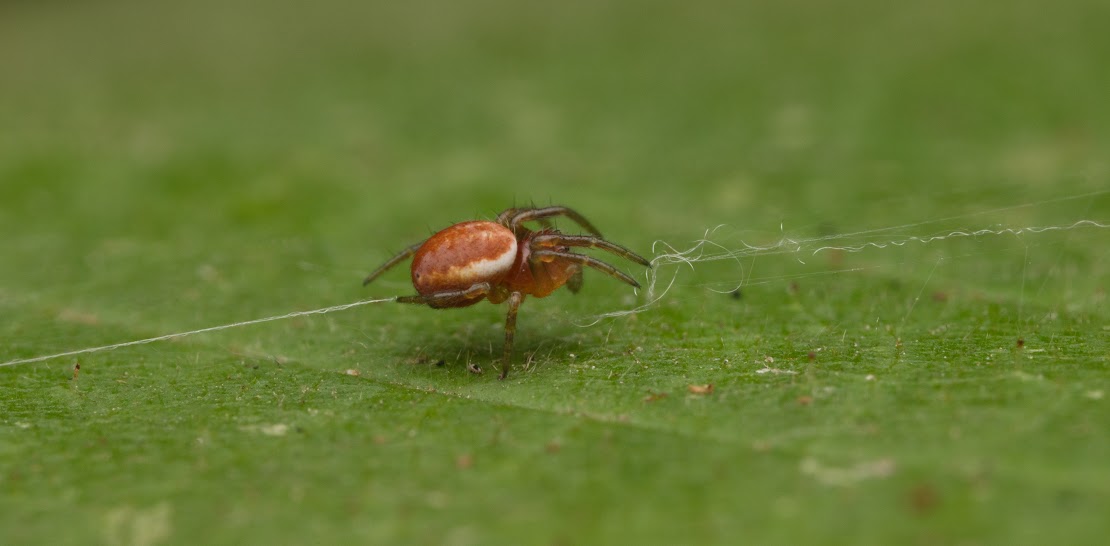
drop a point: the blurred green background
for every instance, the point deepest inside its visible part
(171, 167)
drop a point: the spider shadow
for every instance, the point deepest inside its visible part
(537, 347)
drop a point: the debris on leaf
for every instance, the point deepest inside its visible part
(353, 372)
(843, 476)
(653, 396)
(473, 368)
(78, 317)
(700, 389)
(766, 369)
(923, 499)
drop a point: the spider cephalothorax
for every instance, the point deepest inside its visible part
(504, 261)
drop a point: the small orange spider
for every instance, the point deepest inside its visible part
(503, 260)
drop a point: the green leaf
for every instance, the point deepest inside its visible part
(877, 314)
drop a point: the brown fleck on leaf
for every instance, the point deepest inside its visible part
(78, 317)
(553, 446)
(653, 396)
(805, 400)
(923, 499)
(700, 389)
(940, 296)
(76, 370)
(1020, 343)
(464, 461)
(380, 439)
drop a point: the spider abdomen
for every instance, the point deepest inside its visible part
(463, 255)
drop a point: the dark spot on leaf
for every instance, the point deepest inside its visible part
(923, 499)
(1068, 498)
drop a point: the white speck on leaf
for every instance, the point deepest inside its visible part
(274, 430)
(278, 429)
(766, 369)
(865, 470)
(138, 526)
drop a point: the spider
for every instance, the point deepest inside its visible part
(504, 261)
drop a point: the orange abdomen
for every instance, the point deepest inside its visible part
(462, 255)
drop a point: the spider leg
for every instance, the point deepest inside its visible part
(400, 257)
(510, 331)
(589, 241)
(478, 290)
(506, 218)
(512, 218)
(587, 260)
(574, 283)
(448, 297)
(503, 217)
